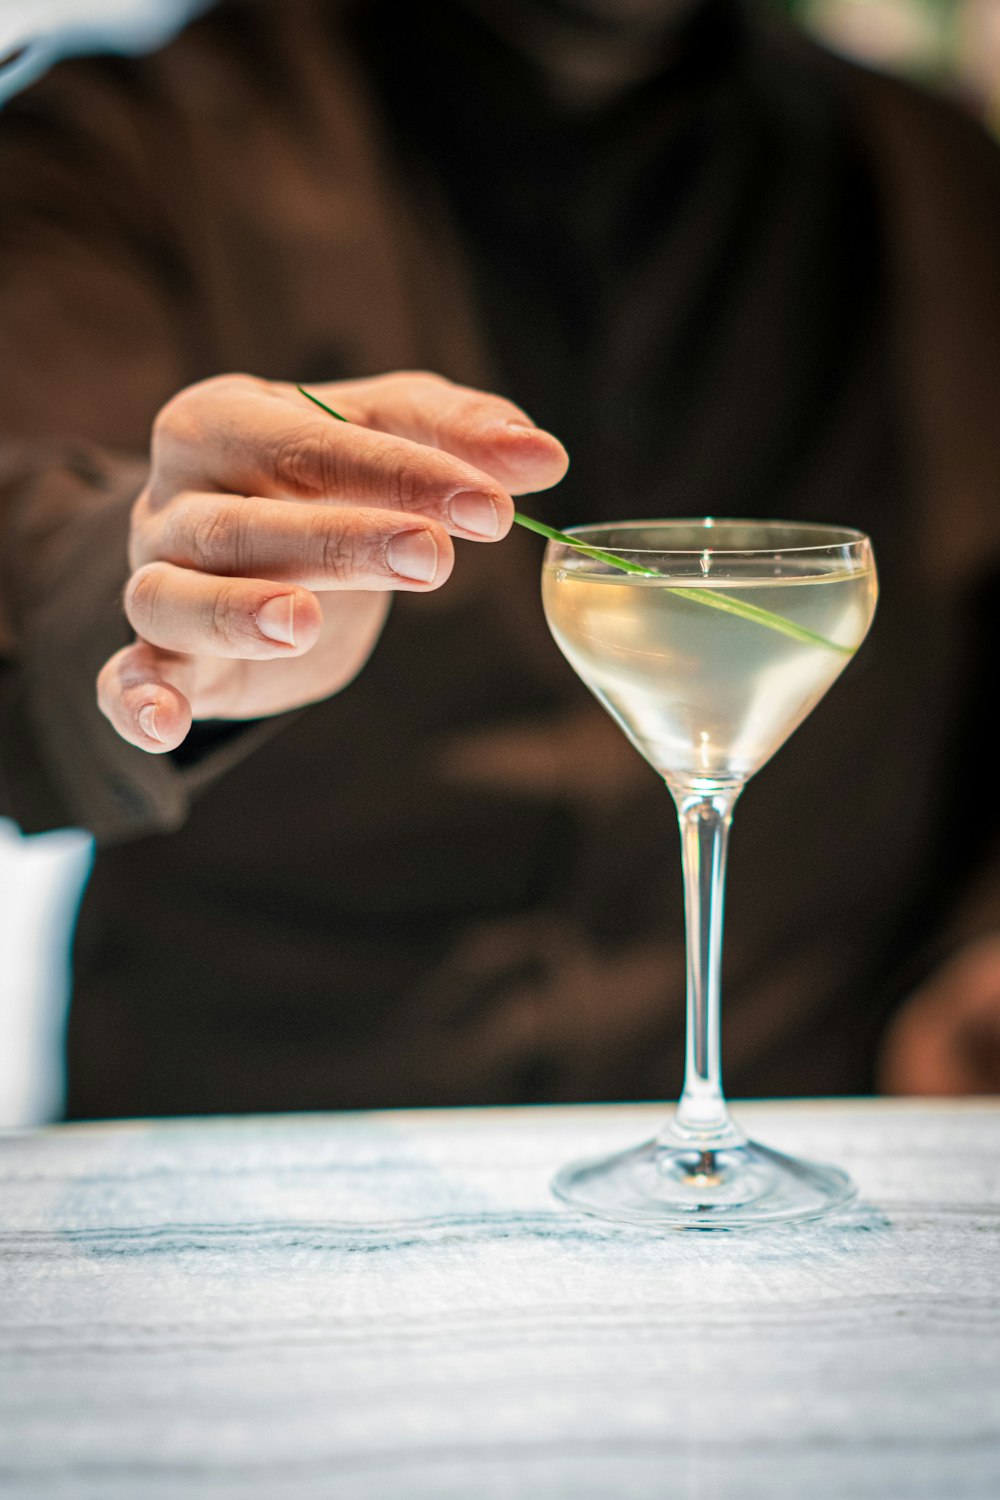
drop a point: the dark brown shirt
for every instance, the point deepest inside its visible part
(761, 283)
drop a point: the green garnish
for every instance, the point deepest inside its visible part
(611, 558)
(317, 402)
(711, 597)
(760, 616)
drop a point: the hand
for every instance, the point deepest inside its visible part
(270, 537)
(946, 1038)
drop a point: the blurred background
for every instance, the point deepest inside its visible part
(951, 45)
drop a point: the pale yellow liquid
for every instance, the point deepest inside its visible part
(705, 695)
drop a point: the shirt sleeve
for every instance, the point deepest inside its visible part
(98, 327)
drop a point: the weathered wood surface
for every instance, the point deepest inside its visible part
(391, 1307)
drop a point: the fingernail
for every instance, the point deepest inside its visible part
(522, 429)
(147, 722)
(276, 619)
(474, 512)
(413, 555)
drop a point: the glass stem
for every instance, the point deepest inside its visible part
(702, 1119)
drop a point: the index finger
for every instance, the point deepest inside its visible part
(477, 426)
(243, 437)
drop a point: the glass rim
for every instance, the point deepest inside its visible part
(840, 536)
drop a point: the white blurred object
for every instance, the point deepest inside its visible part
(978, 51)
(36, 33)
(952, 43)
(884, 33)
(41, 880)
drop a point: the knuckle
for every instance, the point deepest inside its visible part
(229, 622)
(140, 525)
(181, 422)
(221, 387)
(234, 383)
(422, 377)
(216, 536)
(169, 411)
(177, 423)
(172, 530)
(303, 464)
(411, 487)
(141, 508)
(336, 553)
(142, 592)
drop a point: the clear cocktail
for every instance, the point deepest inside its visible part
(708, 642)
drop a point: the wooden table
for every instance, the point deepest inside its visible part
(391, 1306)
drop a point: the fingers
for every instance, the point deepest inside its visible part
(200, 614)
(254, 442)
(136, 694)
(318, 547)
(319, 459)
(483, 429)
(237, 434)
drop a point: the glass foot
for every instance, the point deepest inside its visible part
(742, 1186)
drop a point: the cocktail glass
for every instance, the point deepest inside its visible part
(708, 642)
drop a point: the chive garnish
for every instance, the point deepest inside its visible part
(611, 558)
(712, 597)
(317, 402)
(758, 616)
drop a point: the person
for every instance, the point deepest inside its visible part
(352, 856)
